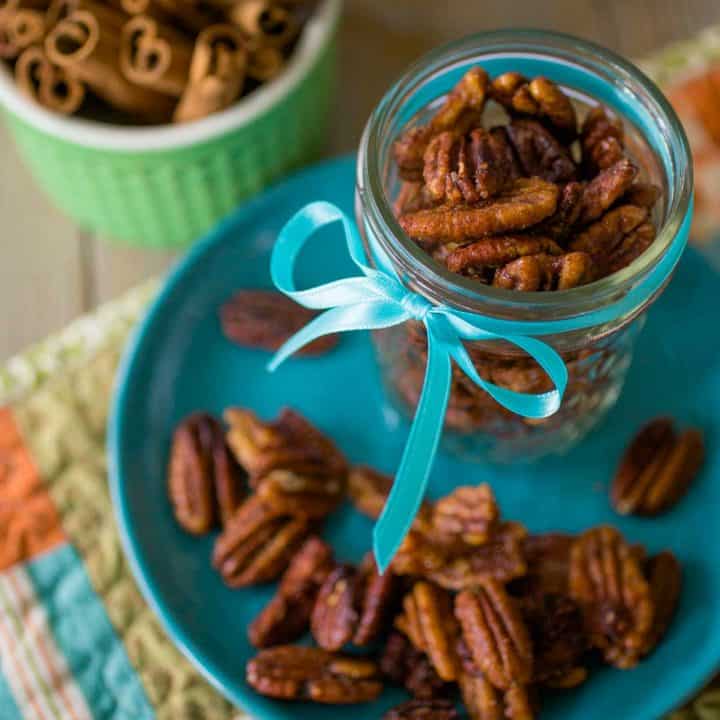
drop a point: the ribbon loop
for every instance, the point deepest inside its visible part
(377, 299)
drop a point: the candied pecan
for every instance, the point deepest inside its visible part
(664, 574)
(257, 544)
(525, 203)
(423, 710)
(302, 493)
(335, 614)
(642, 194)
(429, 622)
(498, 251)
(569, 207)
(607, 581)
(539, 98)
(484, 702)
(288, 443)
(369, 490)
(601, 138)
(657, 469)
(469, 513)
(291, 672)
(354, 604)
(548, 561)
(377, 601)
(403, 664)
(540, 153)
(468, 168)
(287, 616)
(605, 189)
(605, 236)
(632, 246)
(544, 272)
(460, 112)
(413, 196)
(204, 481)
(458, 567)
(494, 631)
(558, 639)
(266, 319)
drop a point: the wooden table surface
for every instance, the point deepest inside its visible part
(51, 272)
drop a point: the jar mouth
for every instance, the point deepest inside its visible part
(580, 67)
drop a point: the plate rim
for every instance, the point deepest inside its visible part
(216, 676)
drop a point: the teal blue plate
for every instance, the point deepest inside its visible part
(179, 361)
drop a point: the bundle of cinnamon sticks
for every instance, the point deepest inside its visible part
(147, 61)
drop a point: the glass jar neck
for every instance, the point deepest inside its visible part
(585, 71)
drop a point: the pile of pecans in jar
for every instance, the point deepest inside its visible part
(473, 606)
(531, 205)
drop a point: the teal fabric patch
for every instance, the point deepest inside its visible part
(83, 632)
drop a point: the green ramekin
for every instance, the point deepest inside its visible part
(165, 186)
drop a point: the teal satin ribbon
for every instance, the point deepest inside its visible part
(378, 299)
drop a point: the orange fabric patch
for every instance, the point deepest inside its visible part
(29, 522)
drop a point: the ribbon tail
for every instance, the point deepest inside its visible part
(412, 476)
(372, 315)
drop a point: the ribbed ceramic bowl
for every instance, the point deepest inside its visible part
(165, 186)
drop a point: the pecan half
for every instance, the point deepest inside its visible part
(525, 203)
(607, 582)
(266, 319)
(287, 616)
(354, 604)
(657, 469)
(302, 493)
(484, 702)
(539, 98)
(606, 188)
(548, 562)
(633, 245)
(469, 513)
(468, 168)
(540, 154)
(257, 544)
(642, 194)
(558, 639)
(403, 664)
(413, 196)
(602, 139)
(664, 574)
(460, 112)
(569, 207)
(494, 631)
(462, 566)
(498, 251)
(429, 622)
(611, 239)
(423, 710)
(288, 443)
(290, 672)
(544, 272)
(204, 481)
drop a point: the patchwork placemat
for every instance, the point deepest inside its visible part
(77, 641)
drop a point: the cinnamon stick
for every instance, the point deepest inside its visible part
(20, 29)
(265, 22)
(264, 63)
(156, 56)
(89, 49)
(47, 83)
(217, 73)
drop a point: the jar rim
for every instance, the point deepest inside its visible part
(619, 80)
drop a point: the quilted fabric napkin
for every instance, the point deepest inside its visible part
(77, 641)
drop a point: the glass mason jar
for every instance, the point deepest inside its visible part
(597, 357)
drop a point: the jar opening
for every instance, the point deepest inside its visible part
(590, 74)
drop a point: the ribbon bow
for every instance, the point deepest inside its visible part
(376, 300)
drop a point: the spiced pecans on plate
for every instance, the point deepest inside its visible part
(473, 610)
(544, 202)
